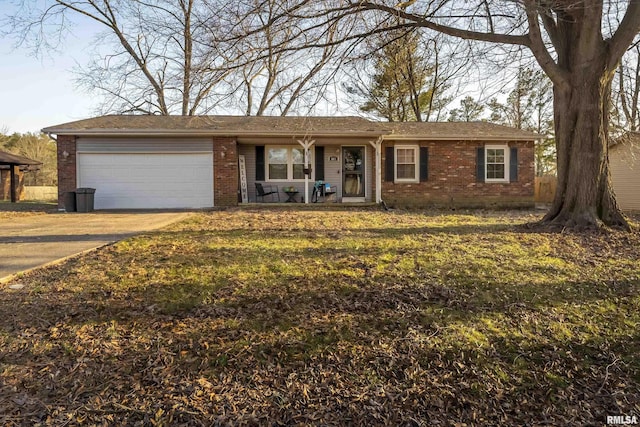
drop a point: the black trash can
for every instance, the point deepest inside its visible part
(84, 199)
(69, 201)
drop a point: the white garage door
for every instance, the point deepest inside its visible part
(147, 180)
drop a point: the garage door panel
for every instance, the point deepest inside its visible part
(143, 181)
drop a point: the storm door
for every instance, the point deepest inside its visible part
(353, 172)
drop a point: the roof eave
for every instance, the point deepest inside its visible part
(199, 132)
(396, 137)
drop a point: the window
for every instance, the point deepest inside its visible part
(406, 166)
(285, 163)
(496, 163)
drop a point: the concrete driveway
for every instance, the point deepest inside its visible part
(32, 241)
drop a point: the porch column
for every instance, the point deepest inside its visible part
(377, 145)
(13, 184)
(306, 144)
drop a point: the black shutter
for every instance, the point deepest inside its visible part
(259, 162)
(389, 163)
(480, 164)
(424, 164)
(513, 165)
(319, 163)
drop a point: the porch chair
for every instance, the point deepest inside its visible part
(266, 190)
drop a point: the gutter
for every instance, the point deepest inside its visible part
(50, 135)
(459, 138)
(235, 134)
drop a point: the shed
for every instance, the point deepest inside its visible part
(624, 163)
(10, 167)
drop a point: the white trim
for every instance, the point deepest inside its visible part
(306, 144)
(463, 138)
(290, 163)
(377, 145)
(416, 150)
(145, 152)
(507, 172)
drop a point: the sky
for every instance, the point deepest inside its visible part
(36, 92)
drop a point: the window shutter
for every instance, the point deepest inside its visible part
(424, 164)
(513, 164)
(480, 164)
(259, 162)
(319, 163)
(389, 164)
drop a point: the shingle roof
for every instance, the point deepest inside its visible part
(14, 159)
(285, 126)
(457, 130)
(219, 125)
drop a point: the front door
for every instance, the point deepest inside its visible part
(353, 172)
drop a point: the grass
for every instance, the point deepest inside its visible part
(10, 210)
(253, 317)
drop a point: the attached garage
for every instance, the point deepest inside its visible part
(146, 173)
(164, 162)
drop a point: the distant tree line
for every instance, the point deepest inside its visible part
(397, 61)
(37, 147)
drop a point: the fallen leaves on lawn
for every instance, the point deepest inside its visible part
(328, 318)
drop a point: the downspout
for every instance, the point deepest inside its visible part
(50, 135)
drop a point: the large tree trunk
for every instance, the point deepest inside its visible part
(584, 196)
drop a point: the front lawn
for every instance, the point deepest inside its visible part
(10, 210)
(285, 317)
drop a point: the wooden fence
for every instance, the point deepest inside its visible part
(545, 188)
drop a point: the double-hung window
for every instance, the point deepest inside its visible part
(285, 163)
(496, 163)
(407, 164)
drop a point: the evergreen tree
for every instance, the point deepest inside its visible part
(529, 106)
(470, 110)
(402, 87)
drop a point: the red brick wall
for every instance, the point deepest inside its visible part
(452, 178)
(225, 172)
(66, 166)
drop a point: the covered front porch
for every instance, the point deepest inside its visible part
(310, 170)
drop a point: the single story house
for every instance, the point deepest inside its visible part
(141, 162)
(624, 164)
(12, 168)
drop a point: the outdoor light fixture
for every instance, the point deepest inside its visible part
(65, 154)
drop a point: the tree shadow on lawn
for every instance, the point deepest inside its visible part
(352, 287)
(350, 344)
(27, 206)
(306, 359)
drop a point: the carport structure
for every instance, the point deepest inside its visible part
(13, 163)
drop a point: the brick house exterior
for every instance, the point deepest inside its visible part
(225, 161)
(66, 165)
(175, 161)
(453, 178)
